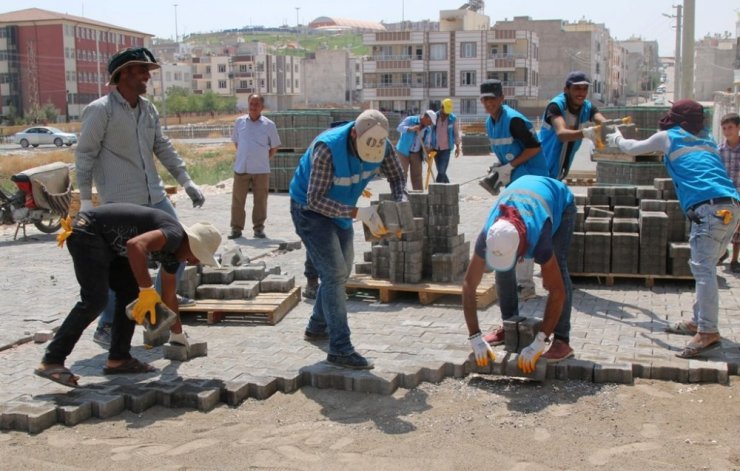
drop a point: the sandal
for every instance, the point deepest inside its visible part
(693, 350)
(681, 328)
(58, 374)
(132, 366)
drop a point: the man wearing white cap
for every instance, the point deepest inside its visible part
(416, 132)
(533, 218)
(446, 135)
(328, 182)
(110, 246)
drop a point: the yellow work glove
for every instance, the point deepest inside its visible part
(528, 357)
(66, 231)
(367, 193)
(370, 217)
(481, 349)
(147, 303)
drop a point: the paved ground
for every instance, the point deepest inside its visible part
(619, 327)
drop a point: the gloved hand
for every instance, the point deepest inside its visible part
(86, 205)
(458, 151)
(194, 193)
(612, 139)
(146, 303)
(481, 349)
(498, 176)
(504, 174)
(370, 217)
(528, 357)
(591, 133)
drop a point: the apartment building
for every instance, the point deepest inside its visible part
(49, 57)
(714, 61)
(276, 78)
(408, 71)
(643, 68)
(332, 77)
(168, 76)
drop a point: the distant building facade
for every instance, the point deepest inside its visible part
(714, 61)
(643, 68)
(331, 78)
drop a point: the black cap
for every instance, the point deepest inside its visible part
(126, 57)
(577, 78)
(491, 88)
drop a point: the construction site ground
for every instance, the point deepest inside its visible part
(303, 414)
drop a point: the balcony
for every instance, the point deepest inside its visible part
(393, 65)
(393, 92)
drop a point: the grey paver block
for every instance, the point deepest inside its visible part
(582, 370)
(323, 375)
(246, 289)
(292, 245)
(249, 272)
(669, 371)
(433, 374)
(72, 411)
(375, 382)
(137, 399)
(150, 338)
(104, 405)
(701, 371)
(410, 380)
(613, 373)
(511, 333)
(235, 392)
(527, 330)
(217, 276)
(289, 383)
(42, 336)
(557, 371)
(164, 391)
(277, 284)
(25, 414)
(234, 257)
(512, 369)
(182, 353)
(195, 397)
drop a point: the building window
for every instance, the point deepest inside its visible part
(208, 85)
(468, 106)
(242, 68)
(208, 69)
(222, 68)
(222, 84)
(467, 78)
(438, 79)
(468, 49)
(438, 52)
(243, 84)
(386, 79)
(296, 84)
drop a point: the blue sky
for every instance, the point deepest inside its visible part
(624, 18)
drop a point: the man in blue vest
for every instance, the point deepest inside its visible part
(518, 153)
(329, 180)
(562, 130)
(708, 198)
(533, 219)
(415, 134)
(446, 135)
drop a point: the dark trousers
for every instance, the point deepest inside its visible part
(442, 160)
(97, 269)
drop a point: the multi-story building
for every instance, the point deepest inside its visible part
(643, 68)
(331, 77)
(408, 71)
(211, 73)
(276, 78)
(714, 60)
(48, 57)
(169, 76)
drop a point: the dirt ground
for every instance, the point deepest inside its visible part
(474, 423)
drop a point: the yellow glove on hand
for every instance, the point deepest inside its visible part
(147, 303)
(66, 231)
(528, 357)
(481, 349)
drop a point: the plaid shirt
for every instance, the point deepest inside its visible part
(322, 178)
(731, 159)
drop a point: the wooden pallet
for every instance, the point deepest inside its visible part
(427, 292)
(649, 279)
(265, 308)
(581, 178)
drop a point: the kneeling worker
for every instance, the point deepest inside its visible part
(533, 218)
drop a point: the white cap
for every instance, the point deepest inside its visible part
(502, 245)
(372, 134)
(432, 115)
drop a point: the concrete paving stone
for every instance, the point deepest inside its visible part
(103, 405)
(581, 370)
(289, 382)
(26, 415)
(164, 390)
(151, 338)
(433, 373)
(613, 373)
(701, 371)
(217, 276)
(667, 370)
(194, 397)
(375, 382)
(234, 257)
(136, 399)
(290, 245)
(511, 333)
(277, 284)
(323, 375)
(557, 371)
(71, 411)
(512, 369)
(411, 379)
(527, 330)
(235, 392)
(252, 272)
(43, 336)
(182, 353)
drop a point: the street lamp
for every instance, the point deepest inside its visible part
(297, 21)
(175, 5)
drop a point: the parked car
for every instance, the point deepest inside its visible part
(39, 135)
(660, 89)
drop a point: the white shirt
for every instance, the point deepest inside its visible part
(254, 139)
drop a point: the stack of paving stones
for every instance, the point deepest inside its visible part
(630, 230)
(423, 241)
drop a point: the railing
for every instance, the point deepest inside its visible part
(400, 57)
(508, 55)
(392, 85)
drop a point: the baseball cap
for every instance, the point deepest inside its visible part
(491, 88)
(130, 56)
(204, 239)
(502, 245)
(447, 105)
(577, 78)
(432, 115)
(372, 133)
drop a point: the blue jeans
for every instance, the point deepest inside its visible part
(107, 317)
(442, 160)
(309, 270)
(506, 280)
(330, 249)
(708, 241)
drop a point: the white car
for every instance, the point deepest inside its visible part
(39, 135)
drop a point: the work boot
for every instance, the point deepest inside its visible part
(735, 267)
(495, 338)
(310, 291)
(235, 234)
(558, 351)
(354, 361)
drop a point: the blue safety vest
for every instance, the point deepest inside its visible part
(507, 148)
(537, 199)
(694, 164)
(351, 174)
(451, 118)
(406, 141)
(557, 163)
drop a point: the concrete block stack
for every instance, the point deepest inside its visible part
(234, 282)
(678, 258)
(653, 242)
(423, 241)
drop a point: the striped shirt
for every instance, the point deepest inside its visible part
(731, 159)
(116, 148)
(322, 178)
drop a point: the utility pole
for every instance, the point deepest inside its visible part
(176, 36)
(677, 62)
(297, 21)
(687, 61)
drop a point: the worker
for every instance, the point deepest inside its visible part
(446, 135)
(415, 137)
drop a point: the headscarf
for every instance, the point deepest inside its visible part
(511, 214)
(686, 113)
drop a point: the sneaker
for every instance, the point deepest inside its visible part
(180, 339)
(724, 257)
(315, 336)
(354, 361)
(495, 338)
(102, 336)
(526, 292)
(735, 267)
(234, 234)
(558, 351)
(310, 291)
(184, 301)
(260, 235)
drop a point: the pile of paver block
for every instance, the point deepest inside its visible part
(630, 230)
(423, 241)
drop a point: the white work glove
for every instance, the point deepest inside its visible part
(591, 133)
(528, 357)
(370, 217)
(194, 193)
(504, 174)
(86, 205)
(481, 349)
(612, 139)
